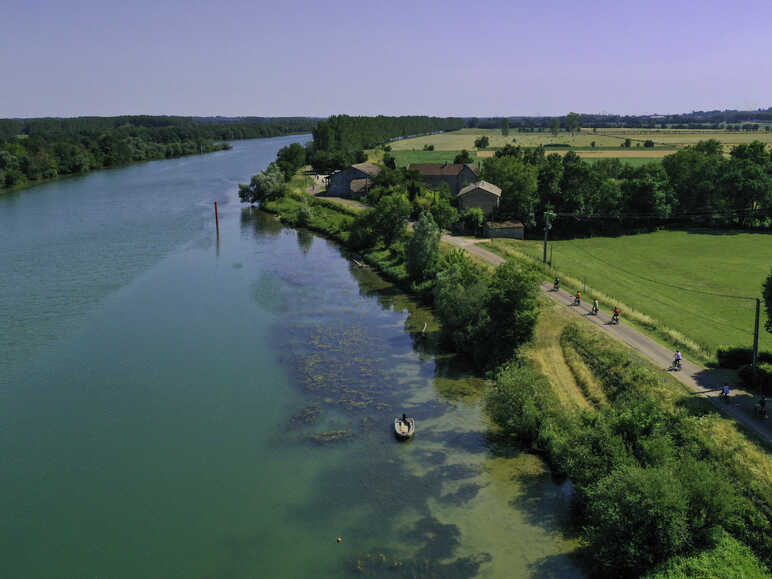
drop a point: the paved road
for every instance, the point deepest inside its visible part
(701, 381)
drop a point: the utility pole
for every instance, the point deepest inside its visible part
(547, 227)
(756, 343)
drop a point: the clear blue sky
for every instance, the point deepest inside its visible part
(284, 57)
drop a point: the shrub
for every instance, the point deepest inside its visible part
(637, 518)
(737, 356)
(519, 402)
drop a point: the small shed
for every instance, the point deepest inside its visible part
(510, 229)
(479, 195)
(352, 182)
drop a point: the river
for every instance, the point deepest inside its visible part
(175, 406)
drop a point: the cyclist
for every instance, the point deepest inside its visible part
(595, 308)
(615, 317)
(677, 359)
(556, 285)
(578, 299)
(725, 392)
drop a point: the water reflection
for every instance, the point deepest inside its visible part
(260, 222)
(305, 240)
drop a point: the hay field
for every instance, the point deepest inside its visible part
(666, 140)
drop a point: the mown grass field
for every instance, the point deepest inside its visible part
(671, 276)
(406, 157)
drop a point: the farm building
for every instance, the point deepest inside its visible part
(456, 176)
(482, 195)
(510, 229)
(352, 182)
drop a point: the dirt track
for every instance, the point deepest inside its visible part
(702, 381)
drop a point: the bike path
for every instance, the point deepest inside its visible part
(705, 382)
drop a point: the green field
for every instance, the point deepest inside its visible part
(670, 276)
(406, 157)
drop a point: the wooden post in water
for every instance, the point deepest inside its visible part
(217, 219)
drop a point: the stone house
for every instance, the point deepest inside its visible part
(352, 182)
(456, 176)
(510, 229)
(482, 195)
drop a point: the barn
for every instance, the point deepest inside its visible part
(352, 182)
(481, 195)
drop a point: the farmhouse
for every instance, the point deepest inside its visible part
(510, 229)
(481, 195)
(456, 176)
(352, 182)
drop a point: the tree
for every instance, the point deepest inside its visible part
(518, 182)
(265, 185)
(513, 308)
(460, 296)
(463, 157)
(573, 122)
(505, 127)
(290, 159)
(768, 301)
(422, 253)
(555, 126)
(481, 142)
(391, 216)
(389, 161)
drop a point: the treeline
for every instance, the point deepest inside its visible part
(652, 485)
(694, 120)
(39, 149)
(340, 140)
(695, 186)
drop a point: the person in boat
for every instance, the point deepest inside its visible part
(404, 420)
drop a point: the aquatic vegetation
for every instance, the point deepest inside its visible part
(438, 543)
(329, 436)
(308, 415)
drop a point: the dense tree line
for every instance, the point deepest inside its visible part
(744, 120)
(695, 186)
(339, 140)
(38, 149)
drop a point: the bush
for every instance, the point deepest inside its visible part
(736, 356)
(519, 402)
(764, 377)
(637, 518)
(728, 558)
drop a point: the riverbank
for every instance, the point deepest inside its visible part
(559, 426)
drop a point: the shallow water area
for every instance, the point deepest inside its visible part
(175, 405)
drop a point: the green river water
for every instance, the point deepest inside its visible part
(171, 406)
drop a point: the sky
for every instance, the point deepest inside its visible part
(361, 57)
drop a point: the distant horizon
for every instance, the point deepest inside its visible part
(110, 58)
(245, 116)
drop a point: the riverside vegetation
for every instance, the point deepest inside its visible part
(663, 485)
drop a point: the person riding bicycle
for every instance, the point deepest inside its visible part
(615, 317)
(578, 298)
(762, 410)
(556, 285)
(595, 307)
(725, 392)
(677, 359)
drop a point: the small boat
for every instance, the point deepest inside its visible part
(404, 429)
